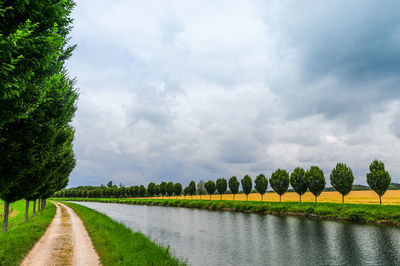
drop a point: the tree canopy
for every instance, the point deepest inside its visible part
(234, 186)
(298, 181)
(221, 186)
(316, 180)
(378, 178)
(342, 179)
(261, 185)
(280, 182)
(247, 185)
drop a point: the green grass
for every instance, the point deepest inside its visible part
(21, 237)
(359, 213)
(118, 245)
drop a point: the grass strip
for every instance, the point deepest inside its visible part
(118, 245)
(21, 237)
(359, 213)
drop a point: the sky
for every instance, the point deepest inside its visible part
(198, 90)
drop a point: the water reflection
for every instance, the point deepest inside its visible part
(227, 238)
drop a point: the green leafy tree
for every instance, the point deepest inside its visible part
(177, 189)
(157, 190)
(151, 189)
(342, 179)
(378, 178)
(221, 186)
(210, 187)
(192, 189)
(234, 186)
(261, 185)
(33, 49)
(186, 191)
(247, 185)
(163, 189)
(280, 182)
(33, 46)
(170, 188)
(316, 181)
(142, 191)
(298, 181)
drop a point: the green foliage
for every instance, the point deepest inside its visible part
(37, 99)
(279, 182)
(298, 181)
(151, 189)
(178, 189)
(316, 180)
(210, 187)
(33, 46)
(221, 186)
(378, 178)
(261, 184)
(192, 188)
(342, 179)
(141, 191)
(234, 185)
(170, 188)
(247, 185)
(163, 188)
(118, 245)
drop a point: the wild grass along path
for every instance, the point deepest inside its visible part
(66, 242)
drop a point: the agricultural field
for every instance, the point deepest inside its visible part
(391, 197)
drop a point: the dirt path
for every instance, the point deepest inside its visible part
(66, 242)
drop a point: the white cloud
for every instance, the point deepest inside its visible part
(179, 90)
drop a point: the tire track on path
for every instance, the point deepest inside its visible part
(66, 242)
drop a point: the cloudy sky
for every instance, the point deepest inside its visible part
(181, 90)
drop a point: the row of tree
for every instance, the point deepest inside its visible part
(37, 101)
(300, 180)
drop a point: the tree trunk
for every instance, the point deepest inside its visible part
(280, 198)
(26, 210)
(315, 199)
(342, 199)
(221, 197)
(300, 197)
(5, 216)
(210, 196)
(262, 197)
(34, 208)
(233, 196)
(247, 197)
(380, 200)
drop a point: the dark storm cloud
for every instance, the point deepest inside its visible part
(348, 56)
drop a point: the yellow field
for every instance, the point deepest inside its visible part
(391, 197)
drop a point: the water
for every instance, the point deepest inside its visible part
(228, 238)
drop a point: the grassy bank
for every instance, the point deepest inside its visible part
(21, 237)
(118, 245)
(360, 213)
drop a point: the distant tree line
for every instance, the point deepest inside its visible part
(300, 180)
(37, 101)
